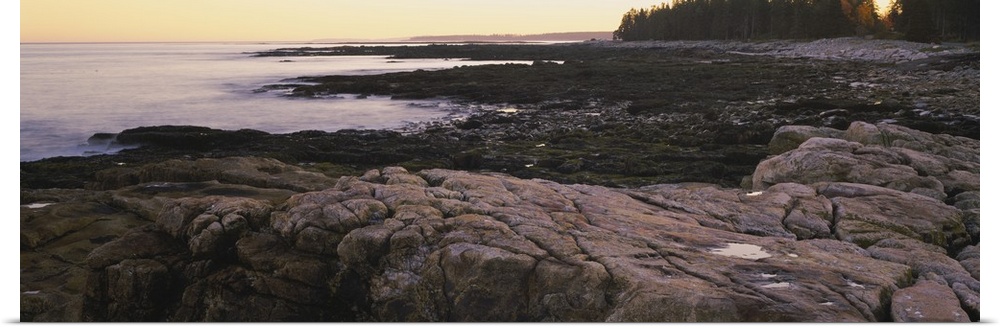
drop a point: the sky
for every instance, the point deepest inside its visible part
(306, 20)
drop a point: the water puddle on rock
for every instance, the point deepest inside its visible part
(741, 250)
(855, 285)
(36, 205)
(777, 285)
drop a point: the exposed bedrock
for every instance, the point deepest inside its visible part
(881, 240)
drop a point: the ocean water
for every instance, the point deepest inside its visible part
(71, 91)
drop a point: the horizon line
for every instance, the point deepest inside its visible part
(320, 40)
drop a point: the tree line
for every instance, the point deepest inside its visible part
(914, 20)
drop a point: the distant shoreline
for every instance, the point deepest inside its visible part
(298, 42)
(464, 38)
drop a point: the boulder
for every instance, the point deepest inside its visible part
(969, 258)
(961, 149)
(59, 228)
(251, 171)
(186, 137)
(787, 138)
(830, 160)
(866, 214)
(880, 155)
(137, 290)
(927, 301)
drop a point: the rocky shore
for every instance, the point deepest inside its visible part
(699, 111)
(654, 183)
(877, 223)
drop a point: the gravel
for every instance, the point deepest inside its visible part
(842, 49)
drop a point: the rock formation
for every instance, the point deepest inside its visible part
(875, 223)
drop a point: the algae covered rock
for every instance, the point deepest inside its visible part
(787, 138)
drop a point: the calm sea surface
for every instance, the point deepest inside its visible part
(71, 91)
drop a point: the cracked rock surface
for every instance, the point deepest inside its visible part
(816, 243)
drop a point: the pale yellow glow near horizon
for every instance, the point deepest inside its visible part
(305, 20)
(883, 6)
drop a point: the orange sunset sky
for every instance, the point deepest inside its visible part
(305, 20)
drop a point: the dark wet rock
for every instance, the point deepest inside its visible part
(570, 166)
(626, 102)
(210, 226)
(971, 220)
(330, 153)
(968, 200)
(102, 139)
(73, 223)
(470, 124)
(136, 289)
(942, 63)
(258, 172)
(188, 137)
(59, 228)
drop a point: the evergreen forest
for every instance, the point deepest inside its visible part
(913, 20)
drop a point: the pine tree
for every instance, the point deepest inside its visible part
(919, 23)
(920, 20)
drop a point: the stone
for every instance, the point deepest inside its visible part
(969, 300)
(138, 290)
(883, 155)
(969, 258)
(810, 216)
(865, 220)
(448, 245)
(913, 304)
(487, 282)
(925, 260)
(526, 250)
(252, 171)
(828, 160)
